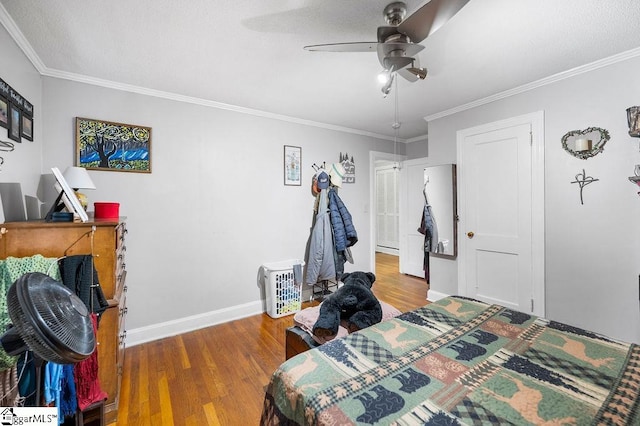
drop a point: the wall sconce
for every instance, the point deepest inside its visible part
(633, 119)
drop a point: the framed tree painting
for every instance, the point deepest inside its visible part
(292, 165)
(106, 145)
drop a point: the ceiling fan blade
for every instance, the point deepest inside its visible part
(428, 18)
(363, 46)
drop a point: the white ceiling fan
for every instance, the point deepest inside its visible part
(397, 44)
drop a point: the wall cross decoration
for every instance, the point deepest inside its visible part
(583, 180)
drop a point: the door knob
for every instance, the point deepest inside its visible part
(470, 234)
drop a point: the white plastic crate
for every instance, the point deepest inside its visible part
(283, 296)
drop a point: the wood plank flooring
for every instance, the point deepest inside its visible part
(217, 375)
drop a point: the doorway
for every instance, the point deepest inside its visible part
(501, 200)
(386, 205)
(382, 161)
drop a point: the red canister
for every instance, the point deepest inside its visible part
(104, 210)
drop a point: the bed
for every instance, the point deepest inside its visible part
(460, 361)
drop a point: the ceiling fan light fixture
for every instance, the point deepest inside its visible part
(384, 76)
(421, 73)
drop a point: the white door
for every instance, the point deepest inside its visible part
(387, 217)
(411, 207)
(501, 172)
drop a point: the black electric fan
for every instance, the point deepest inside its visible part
(48, 319)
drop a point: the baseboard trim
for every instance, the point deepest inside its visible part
(153, 332)
(434, 296)
(388, 250)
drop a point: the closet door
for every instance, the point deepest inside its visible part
(387, 215)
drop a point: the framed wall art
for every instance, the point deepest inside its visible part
(292, 165)
(4, 113)
(27, 127)
(105, 145)
(14, 123)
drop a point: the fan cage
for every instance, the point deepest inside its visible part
(53, 322)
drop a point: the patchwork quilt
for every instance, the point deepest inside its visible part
(459, 361)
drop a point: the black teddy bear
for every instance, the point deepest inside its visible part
(354, 303)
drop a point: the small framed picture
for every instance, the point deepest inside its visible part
(4, 113)
(15, 123)
(27, 127)
(292, 165)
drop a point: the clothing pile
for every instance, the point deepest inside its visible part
(333, 232)
(68, 387)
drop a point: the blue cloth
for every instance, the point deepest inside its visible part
(344, 233)
(52, 386)
(68, 398)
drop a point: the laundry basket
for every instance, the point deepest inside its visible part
(283, 296)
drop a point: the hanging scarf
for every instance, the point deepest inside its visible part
(68, 402)
(86, 376)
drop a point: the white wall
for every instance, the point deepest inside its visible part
(23, 163)
(214, 207)
(592, 250)
(443, 272)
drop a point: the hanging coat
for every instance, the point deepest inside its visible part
(78, 275)
(344, 232)
(320, 262)
(429, 229)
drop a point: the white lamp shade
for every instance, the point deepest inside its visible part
(78, 178)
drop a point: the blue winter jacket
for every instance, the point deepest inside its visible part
(344, 233)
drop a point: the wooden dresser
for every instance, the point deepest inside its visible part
(105, 239)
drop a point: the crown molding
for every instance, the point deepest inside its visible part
(28, 50)
(601, 63)
(20, 39)
(419, 138)
(79, 78)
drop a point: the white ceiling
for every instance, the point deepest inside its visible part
(248, 53)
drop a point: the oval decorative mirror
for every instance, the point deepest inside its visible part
(585, 143)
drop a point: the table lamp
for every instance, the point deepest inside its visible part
(78, 178)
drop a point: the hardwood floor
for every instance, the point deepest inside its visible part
(217, 375)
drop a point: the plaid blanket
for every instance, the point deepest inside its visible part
(460, 361)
